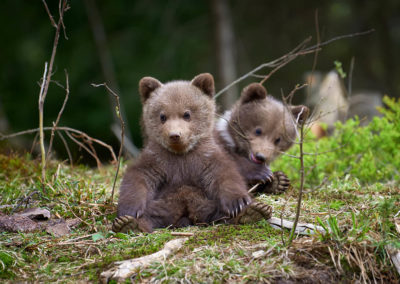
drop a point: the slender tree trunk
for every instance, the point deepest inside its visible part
(225, 41)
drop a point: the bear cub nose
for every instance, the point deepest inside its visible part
(174, 137)
(260, 157)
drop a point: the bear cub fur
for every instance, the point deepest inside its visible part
(182, 175)
(257, 130)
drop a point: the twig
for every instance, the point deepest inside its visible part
(41, 133)
(63, 128)
(66, 147)
(291, 55)
(182, 234)
(59, 115)
(86, 148)
(127, 268)
(296, 220)
(53, 23)
(121, 147)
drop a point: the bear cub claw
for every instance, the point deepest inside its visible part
(234, 207)
(125, 224)
(256, 211)
(280, 184)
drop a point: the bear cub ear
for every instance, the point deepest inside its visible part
(300, 113)
(146, 86)
(252, 92)
(205, 82)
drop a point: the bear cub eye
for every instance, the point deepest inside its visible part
(277, 140)
(186, 115)
(163, 118)
(258, 131)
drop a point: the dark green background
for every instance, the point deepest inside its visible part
(175, 40)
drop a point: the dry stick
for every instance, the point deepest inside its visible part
(63, 128)
(59, 115)
(304, 51)
(296, 220)
(84, 147)
(45, 85)
(122, 134)
(66, 148)
(41, 133)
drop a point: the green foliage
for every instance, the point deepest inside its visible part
(368, 154)
(339, 69)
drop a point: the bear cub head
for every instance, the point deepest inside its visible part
(178, 114)
(259, 126)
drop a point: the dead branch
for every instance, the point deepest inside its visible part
(41, 133)
(118, 108)
(93, 154)
(58, 116)
(300, 228)
(127, 268)
(302, 177)
(66, 148)
(63, 128)
(299, 50)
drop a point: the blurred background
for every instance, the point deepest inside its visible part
(119, 42)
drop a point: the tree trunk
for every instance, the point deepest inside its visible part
(225, 46)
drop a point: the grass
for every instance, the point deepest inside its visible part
(357, 205)
(359, 217)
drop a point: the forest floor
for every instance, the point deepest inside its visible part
(361, 221)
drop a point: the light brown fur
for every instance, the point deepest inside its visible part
(182, 176)
(257, 130)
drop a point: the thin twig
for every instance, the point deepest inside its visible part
(292, 55)
(66, 148)
(84, 147)
(41, 132)
(302, 177)
(63, 128)
(121, 147)
(59, 115)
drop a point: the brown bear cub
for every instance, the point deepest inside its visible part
(257, 130)
(182, 176)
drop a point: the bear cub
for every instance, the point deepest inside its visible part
(182, 176)
(256, 131)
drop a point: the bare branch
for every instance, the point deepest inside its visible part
(59, 115)
(118, 108)
(53, 23)
(299, 50)
(84, 147)
(66, 148)
(41, 133)
(63, 128)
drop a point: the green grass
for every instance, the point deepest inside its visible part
(356, 204)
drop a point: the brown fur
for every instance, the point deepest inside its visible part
(182, 176)
(257, 130)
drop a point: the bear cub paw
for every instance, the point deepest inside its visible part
(256, 211)
(279, 184)
(125, 224)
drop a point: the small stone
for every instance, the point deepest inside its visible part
(258, 254)
(16, 224)
(35, 214)
(58, 228)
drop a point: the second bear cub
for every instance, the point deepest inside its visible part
(257, 130)
(182, 175)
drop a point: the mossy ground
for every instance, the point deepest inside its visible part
(360, 219)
